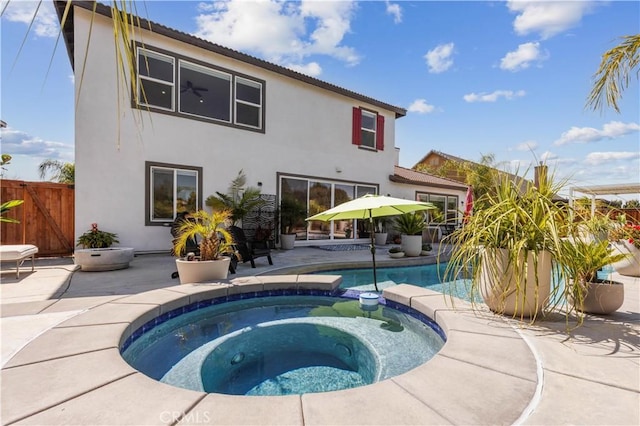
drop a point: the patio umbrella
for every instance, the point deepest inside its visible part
(468, 204)
(367, 207)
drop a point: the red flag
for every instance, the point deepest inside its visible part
(468, 204)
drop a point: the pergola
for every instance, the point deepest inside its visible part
(615, 189)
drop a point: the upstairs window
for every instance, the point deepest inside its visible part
(205, 92)
(155, 80)
(172, 84)
(368, 129)
(248, 103)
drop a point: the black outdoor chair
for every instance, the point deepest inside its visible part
(249, 250)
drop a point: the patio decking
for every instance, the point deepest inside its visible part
(61, 330)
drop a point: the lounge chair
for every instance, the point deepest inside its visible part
(249, 250)
(18, 253)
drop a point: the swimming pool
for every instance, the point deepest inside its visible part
(425, 276)
(282, 345)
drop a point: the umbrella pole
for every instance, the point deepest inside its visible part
(373, 251)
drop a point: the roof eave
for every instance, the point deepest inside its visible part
(104, 10)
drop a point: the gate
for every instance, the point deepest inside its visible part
(46, 216)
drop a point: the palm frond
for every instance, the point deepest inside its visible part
(613, 74)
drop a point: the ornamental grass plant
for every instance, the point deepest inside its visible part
(503, 244)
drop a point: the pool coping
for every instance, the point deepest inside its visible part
(486, 373)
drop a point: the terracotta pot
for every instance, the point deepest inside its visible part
(602, 298)
(499, 289)
(631, 265)
(202, 271)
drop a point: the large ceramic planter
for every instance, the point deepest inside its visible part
(602, 298)
(631, 265)
(504, 294)
(411, 245)
(380, 238)
(103, 259)
(197, 271)
(287, 241)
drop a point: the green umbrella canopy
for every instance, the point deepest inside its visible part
(370, 206)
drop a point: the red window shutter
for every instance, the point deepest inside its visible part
(357, 126)
(380, 133)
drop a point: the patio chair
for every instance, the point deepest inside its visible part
(249, 250)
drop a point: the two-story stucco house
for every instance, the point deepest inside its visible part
(197, 113)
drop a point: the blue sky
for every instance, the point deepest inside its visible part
(503, 78)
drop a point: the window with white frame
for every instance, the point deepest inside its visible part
(203, 91)
(446, 208)
(155, 80)
(248, 103)
(368, 129)
(171, 189)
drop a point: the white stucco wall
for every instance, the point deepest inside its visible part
(308, 132)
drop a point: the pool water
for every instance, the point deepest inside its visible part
(283, 345)
(426, 276)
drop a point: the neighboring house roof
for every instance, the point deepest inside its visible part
(414, 177)
(441, 154)
(67, 30)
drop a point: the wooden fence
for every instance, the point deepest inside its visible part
(46, 216)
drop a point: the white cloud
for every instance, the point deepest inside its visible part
(527, 146)
(547, 18)
(45, 23)
(312, 68)
(522, 57)
(16, 142)
(421, 106)
(612, 130)
(281, 32)
(599, 158)
(439, 59)
(492, 97)
(394, 10)
(548, 156)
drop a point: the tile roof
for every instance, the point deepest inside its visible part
(404, 175)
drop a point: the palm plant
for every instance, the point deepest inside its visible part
(410, 223)
(215, 240)
(613, 73)
(61, 172)
(238, 199)
(5, 207)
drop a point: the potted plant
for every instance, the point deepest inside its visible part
(292, 212)
(506, 248)
(597, 226)
(95, 238)
(426, 249)
(582, 258)
(396, 252)
(239, 199)
(625, 238)
(380, 227)
(410, 226)
(98, 255)
(215, 245)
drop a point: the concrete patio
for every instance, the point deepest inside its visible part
(60, 364)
